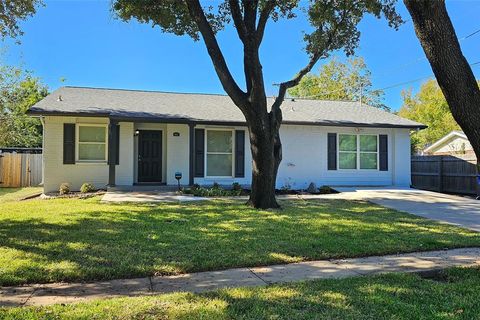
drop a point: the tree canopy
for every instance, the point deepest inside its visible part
(14, 11)
(340, 81)
(333, 26)
(428, 106)
(18, 92)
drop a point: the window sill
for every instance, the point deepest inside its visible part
(82, 162)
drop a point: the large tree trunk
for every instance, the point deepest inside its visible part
(454, 75)
(266, 151)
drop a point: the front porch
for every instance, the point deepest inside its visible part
(149, 154)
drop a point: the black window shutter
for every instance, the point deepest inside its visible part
(69, 143)
(239, 153)
(199, 152)
(383, 148)
(332, 151)
(117, 139)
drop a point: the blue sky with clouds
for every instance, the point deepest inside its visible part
(82, 42)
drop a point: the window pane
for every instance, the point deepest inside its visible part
(219, 165)
(219, 141)
(368, 160)
(347, 160)
(347, 142)
(91, 152)
(91, 134)
(368, 143)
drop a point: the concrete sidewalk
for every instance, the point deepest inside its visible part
(240, 277)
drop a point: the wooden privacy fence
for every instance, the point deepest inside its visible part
(20, 169)
(455, 174)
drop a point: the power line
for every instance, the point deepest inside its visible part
(470, 35)
(381, 89)
(414, 80)
(419, 59)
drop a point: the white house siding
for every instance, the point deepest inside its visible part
(304, 157)
(401, 164)
(178, 153)
(55, 172)
(125, 167)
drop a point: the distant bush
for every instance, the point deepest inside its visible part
(87, 187)
(64, 188)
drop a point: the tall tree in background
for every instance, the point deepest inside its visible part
(429, 107)
(340, 81)
(18, 92)
(437, 36)
(14, 11)
(333, 24)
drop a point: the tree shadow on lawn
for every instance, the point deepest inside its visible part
(390, 296)
(400, 296)
(123, 241)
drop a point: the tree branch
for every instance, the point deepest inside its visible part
(262, 21)
(238, 19)
(250, 15)
(284, 86)
(228, 82)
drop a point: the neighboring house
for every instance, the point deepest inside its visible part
(454, 143)
(127, 137)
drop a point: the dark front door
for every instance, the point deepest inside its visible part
(150, 156)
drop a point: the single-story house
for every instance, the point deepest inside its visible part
(454, 143)
(126, 137)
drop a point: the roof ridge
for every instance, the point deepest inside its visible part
(143, 90)
(200, 93)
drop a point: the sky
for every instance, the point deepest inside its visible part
(81, 43)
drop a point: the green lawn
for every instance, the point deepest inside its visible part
(15, 194)
(73, 240)
(454, 295)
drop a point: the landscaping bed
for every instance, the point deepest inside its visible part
(236, 190)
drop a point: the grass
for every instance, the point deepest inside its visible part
(15, 194)
(454, 295)
(75, 240)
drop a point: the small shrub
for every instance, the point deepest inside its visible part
(87, 187)
(214, 191)
(325, 190)
(64, 188)
(236, 186)
(196, 186)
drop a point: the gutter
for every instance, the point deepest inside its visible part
(217, 122)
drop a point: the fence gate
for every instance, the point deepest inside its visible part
(455, 174)
(20, 169)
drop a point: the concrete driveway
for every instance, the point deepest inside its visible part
(461, 211)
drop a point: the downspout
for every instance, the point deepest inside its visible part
(42, 121)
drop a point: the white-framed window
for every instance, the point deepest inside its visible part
(219, 153)
(92, 142)
(358, 151)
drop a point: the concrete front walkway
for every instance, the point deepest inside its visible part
(239, 277)
(456, 210)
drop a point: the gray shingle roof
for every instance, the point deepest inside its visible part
(205, 108)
